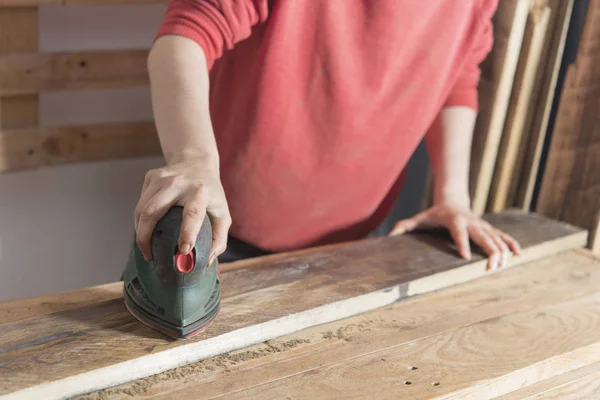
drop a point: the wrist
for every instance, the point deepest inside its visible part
(452, 195)
(208, 159)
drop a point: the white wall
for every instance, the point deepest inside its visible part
(71, 226)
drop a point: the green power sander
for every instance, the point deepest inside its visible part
(176, 294)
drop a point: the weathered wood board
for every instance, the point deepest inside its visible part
(552, 56)
(497, 75)
(86, 348)
(18, 33)
(520, 111)
(530, 332)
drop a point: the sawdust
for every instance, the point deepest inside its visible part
(346, 332)
(222, 362)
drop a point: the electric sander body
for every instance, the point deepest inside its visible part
(176, 294)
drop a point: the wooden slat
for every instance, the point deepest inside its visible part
(520, 115)
(102, 345)
(582, 383)
(472, 362)
(32, 148)
(498, 72)
(23, 3)
(540, 284)
(29, 73)
(570, 187)
(18, 33)
(562, 10)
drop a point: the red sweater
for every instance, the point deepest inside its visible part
(317, 105)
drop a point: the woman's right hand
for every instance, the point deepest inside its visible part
(196, 187)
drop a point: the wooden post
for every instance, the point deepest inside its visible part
(18, 33)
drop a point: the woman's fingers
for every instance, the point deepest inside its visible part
(419, 221)
(150, 213)
(194, 212)
(460, 235)
(512, 243)
(505, 251)
(488, 244)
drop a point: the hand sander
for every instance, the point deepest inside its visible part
(176, 294)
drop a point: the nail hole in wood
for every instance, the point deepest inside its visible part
(84, 135)
(435, 384)
(30, 152)
(28, 71)
(412, 368)
(407, 382)
(83, 63)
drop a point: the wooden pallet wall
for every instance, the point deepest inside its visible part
(25, 72)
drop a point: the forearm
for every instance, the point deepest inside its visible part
(449, 148)
(179, 83)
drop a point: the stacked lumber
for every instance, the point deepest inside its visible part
(516, 99)
(570, 188)
(516, 91)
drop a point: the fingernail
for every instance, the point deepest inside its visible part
(399, 231)
(185, 249)
(211, 259)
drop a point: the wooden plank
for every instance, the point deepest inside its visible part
(498, 72)
(24, 3)
(520, 116)
(18, 33)
(471, 362)
(582, 383)
(541, 283)
(552, 57)
(17, 310)
(258, 304)
(33, 148)
(30, 73)
(570, 188)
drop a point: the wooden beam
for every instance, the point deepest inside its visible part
(25, 3)
(562, 10)
(18, 33)
(520, 116)
(570, 188)
(102, 345)
(34, 148)
(22, 73)
(498, 72)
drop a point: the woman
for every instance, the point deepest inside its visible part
(290, 122)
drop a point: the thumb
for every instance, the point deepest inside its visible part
(407, 225)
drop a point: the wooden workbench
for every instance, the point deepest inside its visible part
(528, 333)
(460, 332)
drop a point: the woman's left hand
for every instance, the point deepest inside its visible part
(464, 225)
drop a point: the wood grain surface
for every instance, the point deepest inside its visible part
(37, 147)
(69, 343)
(552, 56)
(30, 73)
(466, 337)
(570, 188)
(582, 384)
(18, 33)
(497, 75)
(520, 111)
